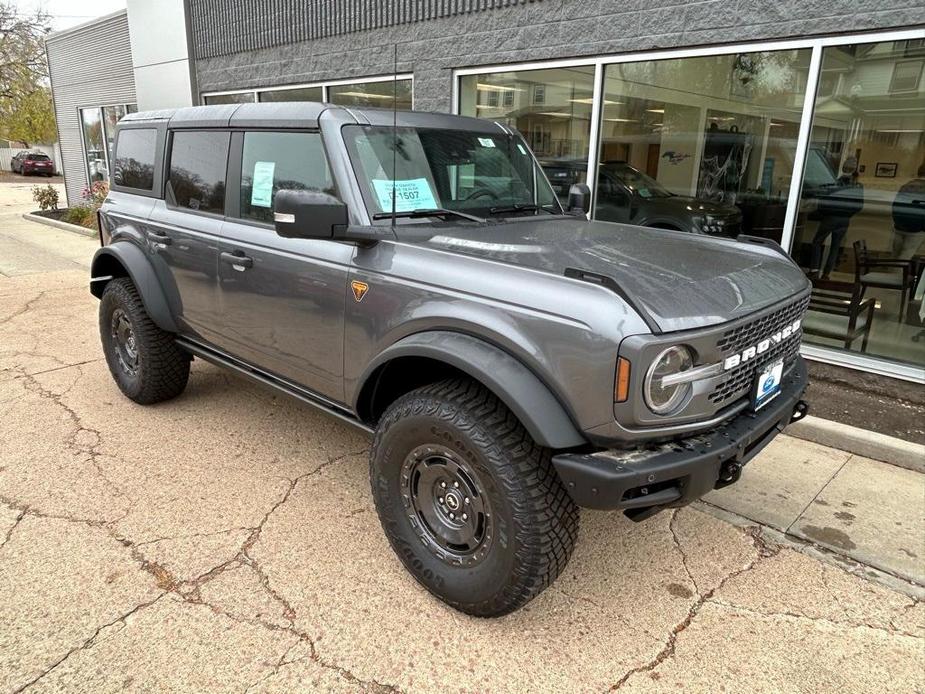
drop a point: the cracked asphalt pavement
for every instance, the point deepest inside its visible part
(227, 541)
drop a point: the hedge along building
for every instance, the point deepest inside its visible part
(801, 122)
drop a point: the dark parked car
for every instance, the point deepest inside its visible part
(27, 163)
(626, 194)
(511, 360)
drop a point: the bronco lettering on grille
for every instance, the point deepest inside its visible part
(751, 352)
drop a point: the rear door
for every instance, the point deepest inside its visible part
(184, 229)
(282, 299)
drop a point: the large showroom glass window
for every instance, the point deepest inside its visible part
(98, 126)
(375, 94)
(91, 122)
(236, 98)
(861, 230)
(550, 107)
(702, 144)
(294, 94)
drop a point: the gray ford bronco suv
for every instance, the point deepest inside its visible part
(419, 280)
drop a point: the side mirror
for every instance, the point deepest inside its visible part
(579, 199)
(308, 214)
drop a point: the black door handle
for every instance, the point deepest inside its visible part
(238, 262)
(160, 238)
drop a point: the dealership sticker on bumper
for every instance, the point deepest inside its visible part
(767, 384)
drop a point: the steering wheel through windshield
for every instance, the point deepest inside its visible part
(481, 193)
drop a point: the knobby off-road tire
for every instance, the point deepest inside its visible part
(521, 525)
(144, 360)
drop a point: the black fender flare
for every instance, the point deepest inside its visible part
(531, 401)
(143, 276)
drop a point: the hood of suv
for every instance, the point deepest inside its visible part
(680, 280)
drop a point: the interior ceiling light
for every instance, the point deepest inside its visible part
(655, 110)
(365, 95)
(621, 120)
(901, 130)
(589, 100)
(496, 88)
(554, 113)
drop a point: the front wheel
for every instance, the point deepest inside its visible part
(470, 504)
(144, 360)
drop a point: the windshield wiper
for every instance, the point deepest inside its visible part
(432, 212)
(520, 207)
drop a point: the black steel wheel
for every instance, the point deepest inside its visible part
(446, 503)
(144, 360)
(471, 505)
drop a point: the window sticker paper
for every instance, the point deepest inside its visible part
(262, 189)
(486, 142)
(411, 194)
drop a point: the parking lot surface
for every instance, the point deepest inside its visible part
(227, 541)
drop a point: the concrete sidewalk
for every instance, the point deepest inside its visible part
(863, 509)
(227, 541)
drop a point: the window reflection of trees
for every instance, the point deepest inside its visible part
(265, 214)
(131, 173)
(190, 190)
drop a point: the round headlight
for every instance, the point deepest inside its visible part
(664, 398)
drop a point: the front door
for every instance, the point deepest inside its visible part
(184, 230)
(282, 299)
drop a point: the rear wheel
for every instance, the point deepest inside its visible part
(471, 505)
(144, 360)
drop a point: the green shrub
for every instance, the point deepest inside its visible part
(46, 197)
(81, 214)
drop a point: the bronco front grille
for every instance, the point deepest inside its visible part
(738, 380)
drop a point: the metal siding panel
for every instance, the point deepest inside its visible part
(224, 27)
(76, 85)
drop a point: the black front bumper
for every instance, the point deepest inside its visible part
(645, 481)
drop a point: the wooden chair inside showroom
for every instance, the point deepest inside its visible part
(881, 273)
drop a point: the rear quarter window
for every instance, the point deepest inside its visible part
(135, 156)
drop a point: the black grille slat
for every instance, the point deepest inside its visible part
(739, 379)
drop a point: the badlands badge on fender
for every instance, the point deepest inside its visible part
(359, 289)
(767, 384)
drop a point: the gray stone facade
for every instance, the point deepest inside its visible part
(431, 45)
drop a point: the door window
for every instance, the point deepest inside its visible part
(197, 171)
(280, 161)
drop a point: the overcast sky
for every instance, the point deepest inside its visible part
(67, 13)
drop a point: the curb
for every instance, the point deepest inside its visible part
(73, 228)
(869, 444)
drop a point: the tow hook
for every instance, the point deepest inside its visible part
(729, 473)
(799, 411)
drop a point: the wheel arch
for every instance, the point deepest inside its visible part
(125, 259)
(426, 357)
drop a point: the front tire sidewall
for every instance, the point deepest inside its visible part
(466, 587)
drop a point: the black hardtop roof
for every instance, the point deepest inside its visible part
(303, 114)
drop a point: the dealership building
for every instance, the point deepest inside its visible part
(802, 122)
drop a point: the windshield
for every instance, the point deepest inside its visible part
(472, 172)
(642, 185)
